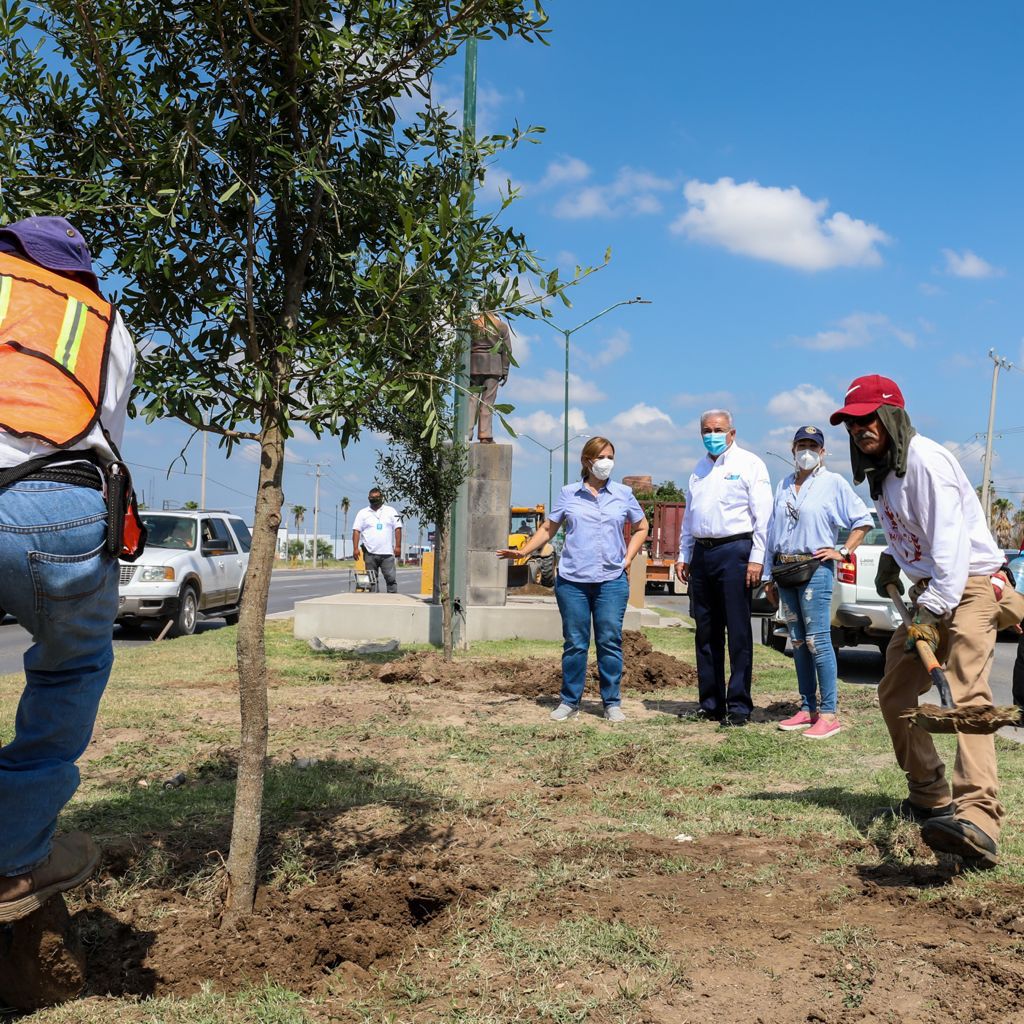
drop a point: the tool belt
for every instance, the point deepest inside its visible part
(714, 542)
(126, 535)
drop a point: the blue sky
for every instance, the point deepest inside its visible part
(805, 193)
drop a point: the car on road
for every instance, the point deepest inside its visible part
(193, 567)
(859, 615)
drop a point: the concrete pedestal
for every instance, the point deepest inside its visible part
(490, 495)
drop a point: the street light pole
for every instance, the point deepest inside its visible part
(986, 479)
(566, 334)
(551, 457)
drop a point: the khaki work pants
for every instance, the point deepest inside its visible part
(481, 406)
(966, 647)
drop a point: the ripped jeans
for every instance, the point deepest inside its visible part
(808, 613)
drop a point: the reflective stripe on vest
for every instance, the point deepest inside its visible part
(54, 346)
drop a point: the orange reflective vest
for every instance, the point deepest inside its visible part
(54, 348)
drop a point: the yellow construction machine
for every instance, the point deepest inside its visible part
(539, 567)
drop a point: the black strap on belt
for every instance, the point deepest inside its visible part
(714, 542)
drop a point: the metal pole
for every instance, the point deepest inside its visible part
(316, 512)
(459, 532)
(565, 424)
(336, 554)
(202, 485)
(551, 459)
(986, 479)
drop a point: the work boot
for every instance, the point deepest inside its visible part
(962, 837)
(910, 811)
(563, 712)
(73, 858)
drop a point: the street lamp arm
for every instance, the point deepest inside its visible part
(597, 316)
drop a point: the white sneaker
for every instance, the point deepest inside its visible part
(614, 714)
(564, 712)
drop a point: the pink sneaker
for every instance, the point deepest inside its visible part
(822, 730)
(801, 720)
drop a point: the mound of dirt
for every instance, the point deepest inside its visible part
(979, 720)
(347, 920)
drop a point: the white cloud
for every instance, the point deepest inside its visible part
(969, 264)
(927, 288)
(551, 388)
(568, 170)
(521, 345)
(779, 225)
(644, 425)
(611, 349)
(632, 192)
(856, 331)
(806, 403)
(544, 426)
(706, 399)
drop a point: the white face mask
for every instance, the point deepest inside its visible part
(807, 458)
(602, 468)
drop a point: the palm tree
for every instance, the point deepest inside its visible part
(1003, 530)
(299, 512)
(345, 506)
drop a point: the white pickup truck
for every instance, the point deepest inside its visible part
(859, 615)
(194, 566)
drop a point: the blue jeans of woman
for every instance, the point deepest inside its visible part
(808, 613)
(58, 581)
(605, 604)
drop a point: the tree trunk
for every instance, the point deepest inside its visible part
(252, 679)
(444, 581)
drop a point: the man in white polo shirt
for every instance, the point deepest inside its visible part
(721, 553)
(378, 527)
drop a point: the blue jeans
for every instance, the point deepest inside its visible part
(59, 582)
(605, 603)
(808, 612)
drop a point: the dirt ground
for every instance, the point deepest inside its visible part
(411, 904)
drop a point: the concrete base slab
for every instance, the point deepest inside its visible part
(413, 620)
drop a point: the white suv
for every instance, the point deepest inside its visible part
(859, 615)
(194, 564)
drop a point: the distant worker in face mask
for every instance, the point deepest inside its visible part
(489, 359)
(811, 506)
(378, 528)
(721, 554)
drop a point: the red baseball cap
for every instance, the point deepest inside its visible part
(866, 394)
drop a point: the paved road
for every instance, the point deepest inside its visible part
(286, 587)
(864, 664)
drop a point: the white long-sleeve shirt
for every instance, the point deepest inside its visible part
(725, 496)
(113, 411)
(935, 526)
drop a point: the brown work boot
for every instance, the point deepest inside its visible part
(73, 858)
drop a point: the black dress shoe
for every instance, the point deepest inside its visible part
(700, 715)
(959, 836)
(735, 719)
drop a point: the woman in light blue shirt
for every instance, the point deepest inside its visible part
(593, 574)
(811, 506)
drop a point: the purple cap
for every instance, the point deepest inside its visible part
(52, 243)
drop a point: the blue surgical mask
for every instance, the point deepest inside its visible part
(715, 443)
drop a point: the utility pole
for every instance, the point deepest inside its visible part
(316, 512)
(986, 480)
(202, 485)
(458, 533)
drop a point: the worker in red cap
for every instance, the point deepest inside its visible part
(67, 364)
(938, 536)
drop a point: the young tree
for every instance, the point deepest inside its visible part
(292, 252)
(324, 551)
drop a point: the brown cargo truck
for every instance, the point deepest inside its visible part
(666, 519)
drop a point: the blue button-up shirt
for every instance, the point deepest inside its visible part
(595, 547)
(811, 518)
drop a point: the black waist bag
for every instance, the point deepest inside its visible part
(795, 574)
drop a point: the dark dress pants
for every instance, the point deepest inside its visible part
(720, 604)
